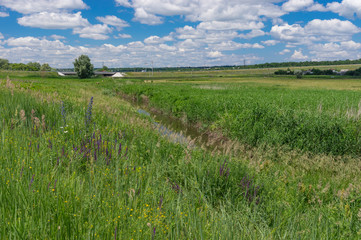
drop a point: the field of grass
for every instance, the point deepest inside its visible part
(78, 162)
(299, 114)
(200, 74)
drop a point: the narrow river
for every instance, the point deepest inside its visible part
(176, 130)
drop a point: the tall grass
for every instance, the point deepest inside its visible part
(85, 171)
(320, 121)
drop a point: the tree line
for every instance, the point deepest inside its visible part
(315, 71)
(31, 66)
(303, 64)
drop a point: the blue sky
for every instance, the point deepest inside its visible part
(132, 33)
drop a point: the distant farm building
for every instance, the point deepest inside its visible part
(343, 71)
(104, 74)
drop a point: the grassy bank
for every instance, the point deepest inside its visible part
(79, 163)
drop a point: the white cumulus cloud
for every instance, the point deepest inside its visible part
(35, 6)
(270, 42)
(314, 31)
(231, 45)
(113, 21)
(317, 7)
(288, 33)
(57, 37)
(215, 54)
(123, 35)
(253, 34)
(155, 40)
(147, 18)
(4, 14)
(296, 5)
(124, 3)
(335, 51)
(152, 12)
(284, 51)
(346, 8)
(298, 55)
(34, 43)
(224, 25)
(96, 32)
(333, 27)
(48, 20)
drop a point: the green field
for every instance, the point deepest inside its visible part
(78, 162)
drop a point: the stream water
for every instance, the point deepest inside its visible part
(176, 130)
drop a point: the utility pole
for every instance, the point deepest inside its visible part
(152, 68)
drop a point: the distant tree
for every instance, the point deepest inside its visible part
(4, 63)
(18, 66)
(33, 66)
(281, 72)
(328, 72)
(45, 67)
(284, 72)
(356, 72)
(104, 69)
(316, 71)
(83, 67)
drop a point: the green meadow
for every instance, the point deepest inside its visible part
(77, 160)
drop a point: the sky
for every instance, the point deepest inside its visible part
(179, 33)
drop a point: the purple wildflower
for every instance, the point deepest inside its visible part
(31, 181)
(63, 114)
(153, 233)
(176, 187)
(223, 169)
(250, 191)
(126, 152)
(120, 149)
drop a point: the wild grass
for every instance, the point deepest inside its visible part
(78, 164)
(319, 120)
